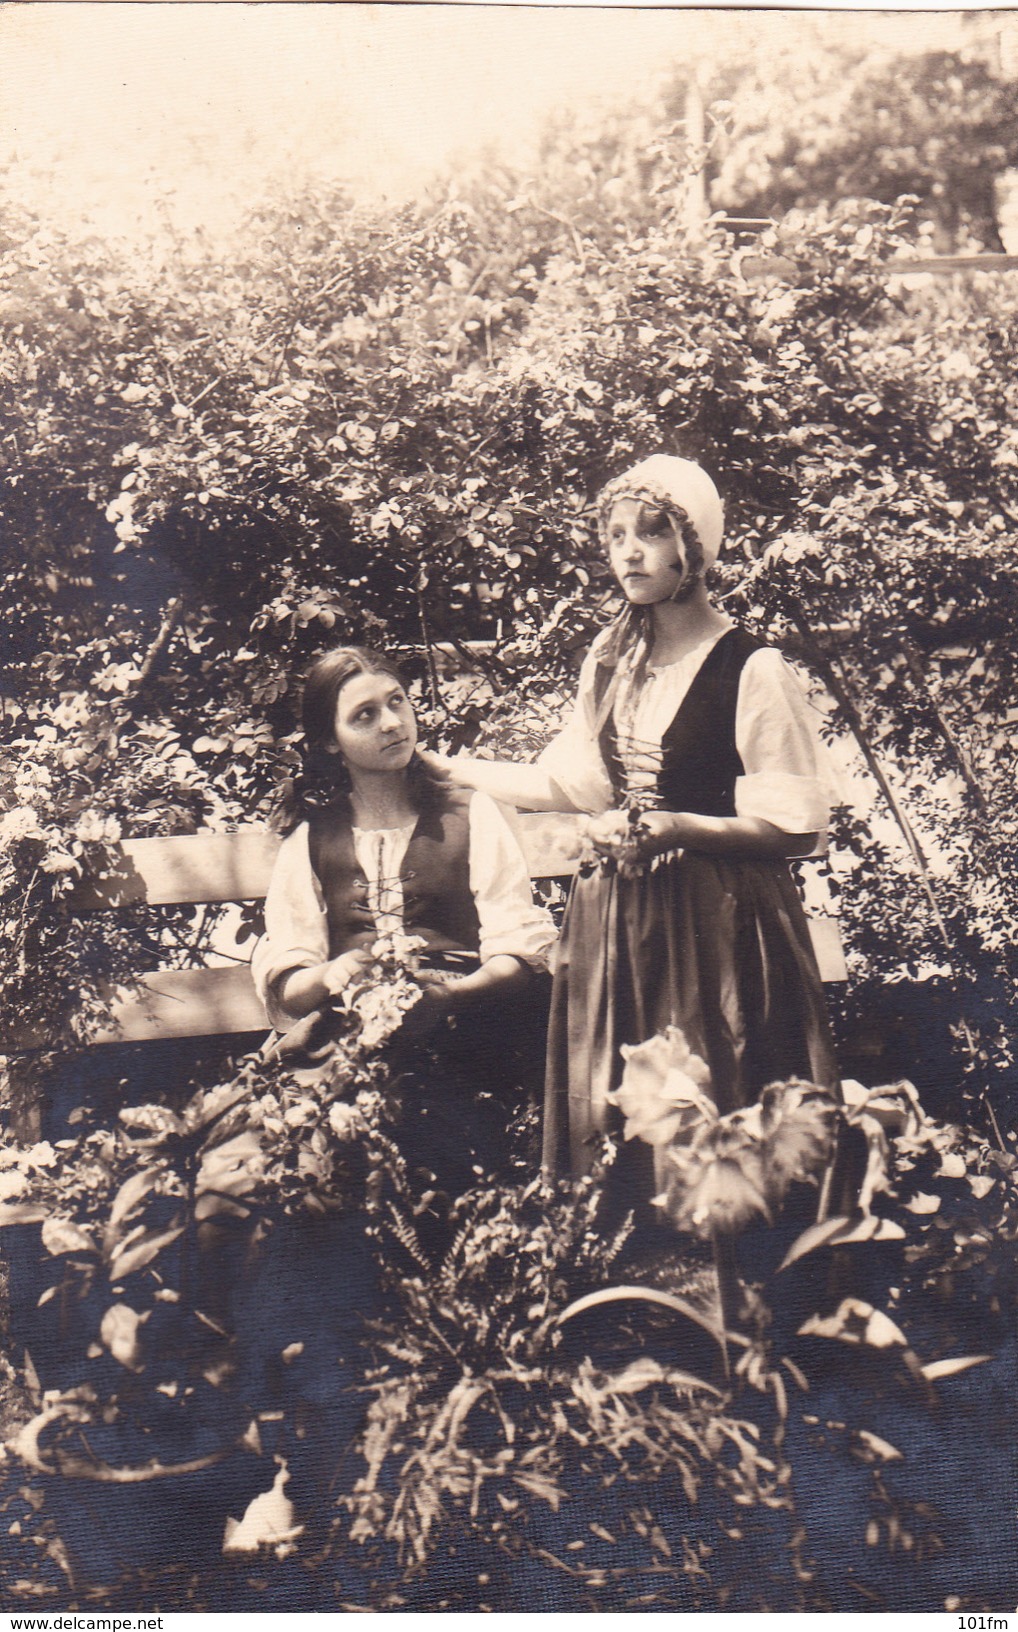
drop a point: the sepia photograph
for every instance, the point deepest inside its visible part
(508, 830)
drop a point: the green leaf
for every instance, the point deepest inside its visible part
(59, 1235)
(855, 1321)
(131, 1192)
(951, 1368)
(154, 1120)
(877, 1447)
(22, 1213)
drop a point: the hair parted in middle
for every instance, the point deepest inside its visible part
(325, 680)
(323, 782)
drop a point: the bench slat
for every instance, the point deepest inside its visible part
(223, 1002)
(186, 1003)
(207, 867)
(188, 870)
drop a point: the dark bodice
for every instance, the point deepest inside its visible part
(435, 876)
(700, 762)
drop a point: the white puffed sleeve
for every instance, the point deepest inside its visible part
(779, 748)
(573, 758)
(510, 919)
(296, 929)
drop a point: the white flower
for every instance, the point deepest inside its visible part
(59, 861)
(345, 1121)
(20, 824)
(118, 1333)
(662, 1092)
(382, 1009)
(95, 828)
(40, 1155)
(267, 1521)
(958, 365)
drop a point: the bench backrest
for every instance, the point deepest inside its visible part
(234, 867)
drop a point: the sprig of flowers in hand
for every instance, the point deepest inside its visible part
(615, 841)
(388, 988)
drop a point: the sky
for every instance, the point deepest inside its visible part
(116, 115)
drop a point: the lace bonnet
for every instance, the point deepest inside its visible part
(678, 483)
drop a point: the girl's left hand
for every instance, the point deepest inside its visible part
(434, 1003)
(614, 834)
(657, 831)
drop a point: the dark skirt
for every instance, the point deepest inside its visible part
(719, 947)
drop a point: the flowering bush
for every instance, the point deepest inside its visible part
(387, 990)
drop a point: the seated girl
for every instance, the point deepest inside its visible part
(375, 847)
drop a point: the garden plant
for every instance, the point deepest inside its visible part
(389, 426)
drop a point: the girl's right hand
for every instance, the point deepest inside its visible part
(340, 974)
(610, 834)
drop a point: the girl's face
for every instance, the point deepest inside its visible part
(374, 728)
(648, 555)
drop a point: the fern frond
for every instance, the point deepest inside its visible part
(404, 1232)
(617, 1242)
(398, 1351)
(449, 1274)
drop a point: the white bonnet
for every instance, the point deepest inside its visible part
(668, 479)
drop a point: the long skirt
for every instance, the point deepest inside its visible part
(719, 947)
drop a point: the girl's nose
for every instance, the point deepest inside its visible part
(390, 720)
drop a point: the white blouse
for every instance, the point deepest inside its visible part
(774, 734)
(296, 926)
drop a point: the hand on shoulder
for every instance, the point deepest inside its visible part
(438, 766)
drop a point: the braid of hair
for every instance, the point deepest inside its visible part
(628, 641)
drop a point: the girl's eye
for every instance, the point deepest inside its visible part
(654, 522)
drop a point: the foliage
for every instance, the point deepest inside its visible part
(473, 1409)
(390, 427)
(939, 126)
(503, 1426)
(136, 1217)
(347, 457)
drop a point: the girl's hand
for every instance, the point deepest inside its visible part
(655, 832)
(431, 1008)
(340, 974)
(614, 834)
(607, 833)
(438, 766)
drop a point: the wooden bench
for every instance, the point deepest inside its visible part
(220, 868)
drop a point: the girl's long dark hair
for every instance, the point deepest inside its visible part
(323, 782)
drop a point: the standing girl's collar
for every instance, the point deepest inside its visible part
(706, 644)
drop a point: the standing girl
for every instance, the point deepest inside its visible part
(691, 747)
